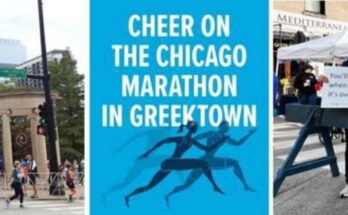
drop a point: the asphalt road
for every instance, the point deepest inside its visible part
(43, 207)
(311, 193)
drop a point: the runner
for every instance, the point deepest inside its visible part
(215, 163)
(16, 185)
(183, 143)
(70, 176)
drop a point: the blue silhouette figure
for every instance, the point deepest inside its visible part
(151, 137)
(175, 162)
(214, 137)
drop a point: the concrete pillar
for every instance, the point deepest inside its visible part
(7, 143)
(42, 154)
(33, 124)
(38, 143)
(59, 159)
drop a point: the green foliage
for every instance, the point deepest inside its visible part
(70, 107)
(5, 88)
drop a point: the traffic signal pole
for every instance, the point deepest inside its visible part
(51, 133)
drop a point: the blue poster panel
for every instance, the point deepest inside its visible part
(179, 107)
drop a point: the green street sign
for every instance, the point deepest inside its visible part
(13, 73)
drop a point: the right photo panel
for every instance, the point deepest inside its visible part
(310, 107)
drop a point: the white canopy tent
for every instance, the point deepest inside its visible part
(325, 49)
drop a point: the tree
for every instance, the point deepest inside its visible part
(69, 108)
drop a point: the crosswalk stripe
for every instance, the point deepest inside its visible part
(314, 153)
(286, 125)
(50, 206)
(77, 212)
(285, 135)
(341, 166)
(67, 208)
(34, 202)
(289, 143)
(46, 205)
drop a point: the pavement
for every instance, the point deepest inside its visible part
(43, 207)
(314, 192)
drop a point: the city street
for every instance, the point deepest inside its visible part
(43, 207)
(314, 192)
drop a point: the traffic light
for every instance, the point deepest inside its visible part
(42, 127)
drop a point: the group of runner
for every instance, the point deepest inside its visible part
(199, 166)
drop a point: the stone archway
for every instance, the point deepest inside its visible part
(23, 103)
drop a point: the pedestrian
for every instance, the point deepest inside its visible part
(70, 176)
(24, 171)
(82, 171)
(66, 162)
(76, 165)
(305, 82)
(16, 185)
(344, 192)
(32, 173)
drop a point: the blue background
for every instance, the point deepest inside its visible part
(249, 26)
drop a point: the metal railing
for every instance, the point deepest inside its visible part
(44, 184)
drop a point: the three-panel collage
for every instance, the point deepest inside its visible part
(174, 107)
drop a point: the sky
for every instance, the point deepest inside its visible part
(66, 25)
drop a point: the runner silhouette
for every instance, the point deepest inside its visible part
(175, 162)
(151, 137)
(214, 137)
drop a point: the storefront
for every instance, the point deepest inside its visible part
(291, 28)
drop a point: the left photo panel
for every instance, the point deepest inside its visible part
(43, 63)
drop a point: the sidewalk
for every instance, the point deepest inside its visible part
(310, 193)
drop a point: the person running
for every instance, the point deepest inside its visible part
(16, 185)
(214, 137)
(175, 162)
(70, 176)
(24, 171)
(149, 138)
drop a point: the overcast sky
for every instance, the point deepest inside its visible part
(66, 25)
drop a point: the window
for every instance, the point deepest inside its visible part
(315, 6)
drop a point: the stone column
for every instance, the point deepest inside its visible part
(33, 135)
(59, 159)
(42, 154)
(7, 143)
(38, 143)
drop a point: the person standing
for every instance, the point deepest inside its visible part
(344, 192)
(305, 82)
(32, 173)
(82, 171)
(16, 185)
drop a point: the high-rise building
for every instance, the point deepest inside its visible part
(34, 67)
(12, 53)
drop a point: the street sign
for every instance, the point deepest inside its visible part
(13, 73)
